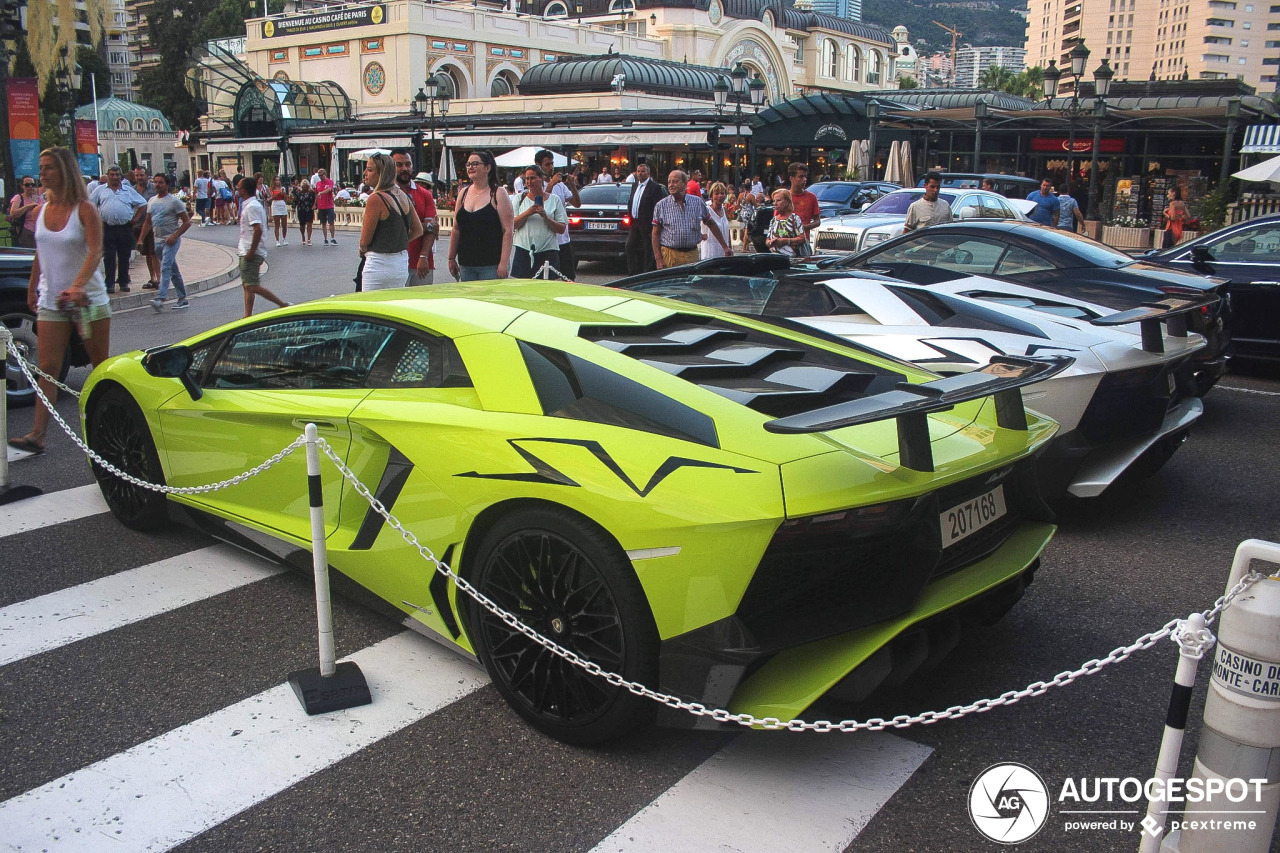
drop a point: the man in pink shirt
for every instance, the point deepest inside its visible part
(421, 263)
(324, 207)
(805, 202)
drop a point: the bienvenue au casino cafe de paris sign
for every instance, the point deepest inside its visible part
(335, 20)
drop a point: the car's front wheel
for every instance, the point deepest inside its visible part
(18, 390)
(571, 583)
(118, 433)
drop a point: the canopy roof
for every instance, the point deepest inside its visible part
(641, 74)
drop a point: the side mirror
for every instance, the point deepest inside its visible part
(969, 213)
(172, 362)
(1201, 254)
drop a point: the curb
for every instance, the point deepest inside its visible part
(137, 298)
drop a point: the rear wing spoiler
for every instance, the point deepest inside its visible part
(910, 404)
(1150, 315)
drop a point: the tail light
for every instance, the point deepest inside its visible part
(626, 220)
(858, 523)
(575, 220)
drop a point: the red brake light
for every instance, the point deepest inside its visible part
(626, 220)
(575, 220)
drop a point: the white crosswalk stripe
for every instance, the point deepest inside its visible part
(53, 620)
(762, 792)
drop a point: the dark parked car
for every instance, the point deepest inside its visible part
(600, 227)
(835, 198)
(1247, 254)
(957, 257)
(1009, 186)
(15, 273)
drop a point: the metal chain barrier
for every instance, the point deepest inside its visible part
(155, 487)
(1175, 628)
(547, 267)
(28, 366)
(1198, 641)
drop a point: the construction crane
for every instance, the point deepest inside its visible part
(955, 34)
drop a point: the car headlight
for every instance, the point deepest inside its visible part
(876, 238)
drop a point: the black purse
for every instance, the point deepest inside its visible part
(359, 279)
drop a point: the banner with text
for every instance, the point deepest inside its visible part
(24, 125)
(87, 146)
(336, 19)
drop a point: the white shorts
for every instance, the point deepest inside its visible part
(385, 270)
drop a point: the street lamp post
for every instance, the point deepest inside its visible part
(1073, 109)
(1101, 88)
(979, 113)
(873, 118)
(755, 89)
(424, 103)
(720, 91)
(741, 89)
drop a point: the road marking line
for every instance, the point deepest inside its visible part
(771, 791)
(165, 791)
(1248, 390)
(59, 618)
(53, 508)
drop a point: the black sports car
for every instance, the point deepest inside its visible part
(957, 257)
(1247, 254)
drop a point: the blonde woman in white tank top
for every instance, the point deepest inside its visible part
(66, 284)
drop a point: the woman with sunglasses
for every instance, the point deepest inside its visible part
(23, 210)
(480, 244)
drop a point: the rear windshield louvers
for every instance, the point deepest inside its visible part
(767, 373)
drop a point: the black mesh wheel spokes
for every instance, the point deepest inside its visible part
(120, 442)
(554, 588)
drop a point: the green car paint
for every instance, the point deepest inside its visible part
(708, 512)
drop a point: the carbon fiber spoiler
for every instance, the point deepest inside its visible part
(910, 404)
(1150, 315)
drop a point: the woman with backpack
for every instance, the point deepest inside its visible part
(390, 224)
(24, 208)
(483, 228)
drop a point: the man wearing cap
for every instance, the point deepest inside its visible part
(421, 261)
(677, 221)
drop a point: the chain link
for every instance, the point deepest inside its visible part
(546, 265)
(24, 364)
(955, 712)
(156, 487)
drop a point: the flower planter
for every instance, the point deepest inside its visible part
(1126, 238)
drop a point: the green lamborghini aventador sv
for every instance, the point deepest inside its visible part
(727, 511)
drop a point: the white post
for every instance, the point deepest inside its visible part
(319, 553)
(1175, 725)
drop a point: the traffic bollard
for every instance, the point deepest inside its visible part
(1239, 752)
(329, 687)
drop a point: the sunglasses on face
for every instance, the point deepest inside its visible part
(475, 164)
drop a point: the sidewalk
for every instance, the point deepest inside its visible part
(204, 266)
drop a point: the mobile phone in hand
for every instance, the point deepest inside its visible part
(537, 200)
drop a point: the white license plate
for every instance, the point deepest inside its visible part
(971, 516)
(602, 226)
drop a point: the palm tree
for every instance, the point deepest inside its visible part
(997, 78)
(52, 45)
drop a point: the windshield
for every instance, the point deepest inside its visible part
(833, 191)
(739, 294)
(605, 194)
(896, 204)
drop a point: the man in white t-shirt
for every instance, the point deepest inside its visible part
(566, 187)
(253, 251)
(203, 186)
(168, 220)
(605, 177)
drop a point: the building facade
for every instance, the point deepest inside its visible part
(1161, 39)
(972, 61)
(121, 52)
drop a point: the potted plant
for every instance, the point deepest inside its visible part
(1126, 232)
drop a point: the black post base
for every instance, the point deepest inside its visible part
(346, 688)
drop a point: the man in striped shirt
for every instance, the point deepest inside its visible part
(677, 225)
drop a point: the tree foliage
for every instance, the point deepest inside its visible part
(50, 45)
(93, 73)
(1026, 84)
(907, 82)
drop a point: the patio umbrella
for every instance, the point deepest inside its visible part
(366, 153)
(1267, 170)
(333, 164)
(445, 172)
(906, 178)
(893, 165)
(524, 157)
(859, 159)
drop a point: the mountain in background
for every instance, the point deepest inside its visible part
(983, 22)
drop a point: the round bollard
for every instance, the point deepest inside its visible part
(1239, 748)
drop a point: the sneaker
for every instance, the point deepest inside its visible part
(124, 288)
(326, 241)
(182, 303)
(284, 242)
(278, 244)
(157, 304)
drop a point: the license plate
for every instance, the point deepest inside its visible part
(602, 226)
(971, 516)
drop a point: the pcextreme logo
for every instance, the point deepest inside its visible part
(1009, 803)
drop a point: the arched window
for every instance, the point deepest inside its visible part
(830, 59)
(852, 63)
(155, 124)
(122, 124)
(502, 85)
(451, 81)
(616, 6)
(139, 124)
(873, 68)
(556, 10)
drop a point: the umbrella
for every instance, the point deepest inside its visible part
(906, 178)
(859, 159)
(366, 153)
(445, 171)
(893, 165)
(1267, 170)
(333, 163)
(524, 157)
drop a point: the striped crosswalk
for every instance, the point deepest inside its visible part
(217, 771)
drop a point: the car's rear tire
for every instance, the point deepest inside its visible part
(118, 433)
(19, 392)
(570, 582)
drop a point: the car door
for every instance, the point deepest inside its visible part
(260, 386)
(1250, 258)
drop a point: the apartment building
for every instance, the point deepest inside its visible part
(972, 61)
(1164, 39)
(119, 53)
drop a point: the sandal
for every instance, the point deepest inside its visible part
(26, 443)
(151, 285)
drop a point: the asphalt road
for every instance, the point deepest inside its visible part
(107, 716)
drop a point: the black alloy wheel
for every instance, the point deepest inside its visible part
(118, 432)
(18, 391)
(571, 583)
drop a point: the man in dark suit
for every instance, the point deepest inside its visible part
(645, 193)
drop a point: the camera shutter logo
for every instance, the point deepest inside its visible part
(1008, 803)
